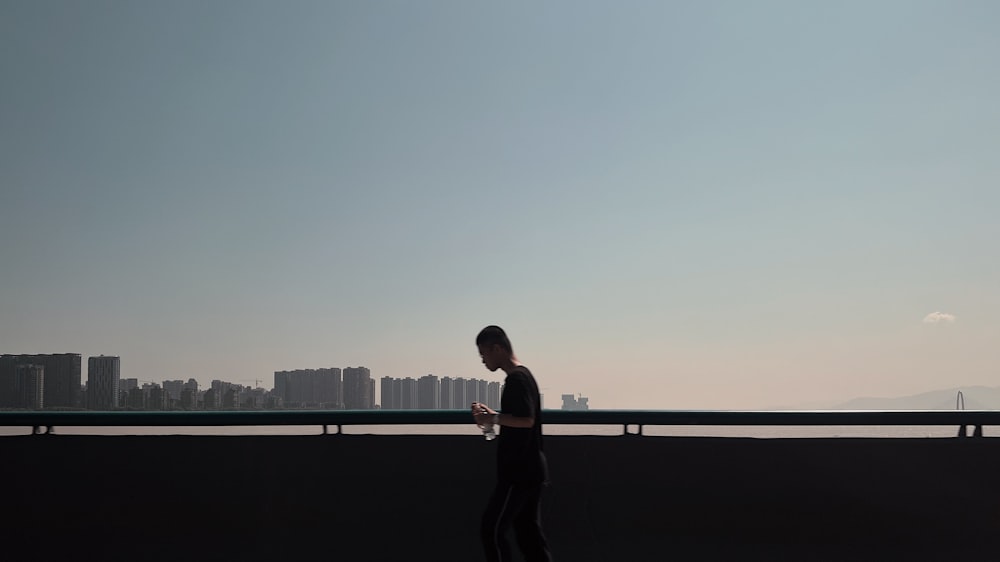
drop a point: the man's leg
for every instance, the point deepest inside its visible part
(496, 520)
(528, 525)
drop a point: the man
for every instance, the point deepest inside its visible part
(521, 466)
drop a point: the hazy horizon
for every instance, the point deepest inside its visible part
(666, 205)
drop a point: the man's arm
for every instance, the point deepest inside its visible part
(485, 415)
(511, 420)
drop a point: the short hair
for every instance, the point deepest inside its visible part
(494, 335)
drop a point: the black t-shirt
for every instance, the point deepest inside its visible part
(520, 459)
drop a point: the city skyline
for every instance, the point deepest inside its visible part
(23, 385)
(665, 205)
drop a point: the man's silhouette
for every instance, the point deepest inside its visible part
(521, 467)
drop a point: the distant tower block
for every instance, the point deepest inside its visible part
(357, 388)
(103, 382)
(29, 382)
(572, 403)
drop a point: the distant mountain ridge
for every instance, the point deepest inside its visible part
(976, 398)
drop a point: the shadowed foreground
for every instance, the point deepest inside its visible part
(352, 497)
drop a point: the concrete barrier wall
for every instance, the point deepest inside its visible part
(355, 498)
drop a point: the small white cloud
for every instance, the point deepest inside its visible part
(939, 318)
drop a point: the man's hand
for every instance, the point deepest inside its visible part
(483, 414)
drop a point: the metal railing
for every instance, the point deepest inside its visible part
(626, 418)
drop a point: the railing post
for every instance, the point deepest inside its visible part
(638, 430)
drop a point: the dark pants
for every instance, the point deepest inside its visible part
(518, 506)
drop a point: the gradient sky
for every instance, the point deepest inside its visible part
(666, 204)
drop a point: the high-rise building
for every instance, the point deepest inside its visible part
(447, 388)
(173, 390)
(493, 395)
(231, 397)
(472, 391)
(136, 399)
(29, 382)
(281, 385)
(397, 394)
(253, 399)
(315, 388)
(189, 398)
(125, 387)
(156, 398)
(302, 387)
(211, 400)
(190, 395)
(61, 385)
(484, 391)
(408, 394)
(459, 400)
(329, 388)
(386, 399)
(62, 380)
(103, 382)
(357, 388)
(8, 363)
(428, 393)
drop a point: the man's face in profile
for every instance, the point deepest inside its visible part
(489, 353)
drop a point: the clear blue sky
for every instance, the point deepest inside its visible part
(666, 204)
